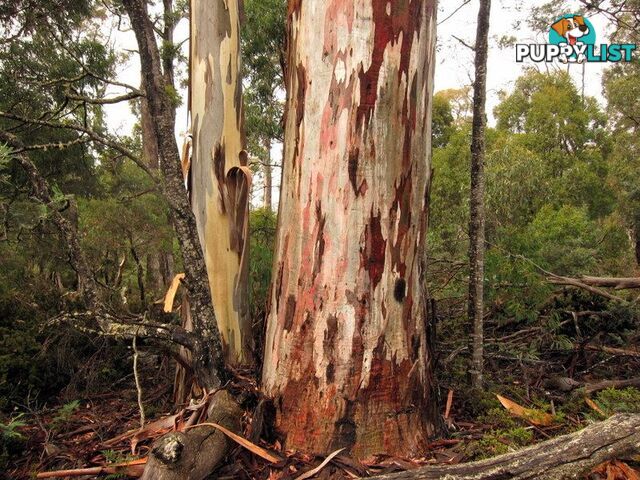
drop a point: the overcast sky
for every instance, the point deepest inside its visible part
(455, 61)
(454, 67)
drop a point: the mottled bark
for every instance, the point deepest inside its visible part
(207, 352)
(347, 360)
(219, 183)
(477, 215)
(563, 458)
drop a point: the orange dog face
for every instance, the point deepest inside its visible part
(571, 28)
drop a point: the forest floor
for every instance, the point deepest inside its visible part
(539, 397)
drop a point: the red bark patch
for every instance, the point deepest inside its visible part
(320, 242)
(301, 93)
(401, 207)
(404, 17)
(328, 345)
(373, 255)
(289, 312)
(354, 155)
(294, 6)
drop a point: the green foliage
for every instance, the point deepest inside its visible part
(64, 414)
(262, 244)
(263, 57)
(499, 442)
(625, 400)
(559, 198)
(442, 121)
(11, 440)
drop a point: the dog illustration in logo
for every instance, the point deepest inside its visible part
(572, 29)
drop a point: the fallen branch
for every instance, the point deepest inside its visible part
(612, 282)
(596, 387)
(566, 457)
(572, 282)
(101, 322)
(133, 468)
(614, 351)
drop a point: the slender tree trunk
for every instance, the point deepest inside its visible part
(268, 177)
(347, 360)
(477, 221)
(637, 244)
(155, 261)
(219, 177)
(207, 352)
(149, 140)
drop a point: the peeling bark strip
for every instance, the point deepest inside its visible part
(347, 359)
(219, 196)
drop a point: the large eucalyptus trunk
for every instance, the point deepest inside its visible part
(218, 180)
(347, 358)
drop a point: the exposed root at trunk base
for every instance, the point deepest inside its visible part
(566, 457)
(194, 454)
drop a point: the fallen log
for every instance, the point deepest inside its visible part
(562, 458)
(596, 387)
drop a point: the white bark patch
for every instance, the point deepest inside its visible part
(340, 71)
(346, 330)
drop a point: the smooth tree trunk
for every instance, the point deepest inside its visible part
(219, 179)
(477, 214)
(347, 359)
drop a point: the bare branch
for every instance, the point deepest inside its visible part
(96, 137)
(471, 47)
(106, 101)
(464, 3)
(106, 324)
(53, 146)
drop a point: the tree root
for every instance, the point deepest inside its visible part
(194, 454)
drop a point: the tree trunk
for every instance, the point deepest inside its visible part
(268, 177)
(637, 244)
(562, 458)
(347, 360)
(477, 217)
(208, 359)
(219, 183)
